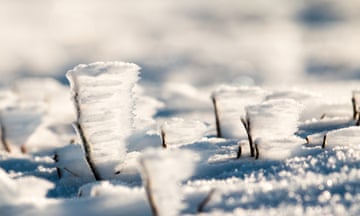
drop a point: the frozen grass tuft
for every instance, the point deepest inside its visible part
(178, 131)
(230, 106)
(345, 137)
(162, 173)
(273, 125)
(103, 98)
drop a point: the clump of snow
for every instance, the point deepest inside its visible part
(103, 188)
(103, 97)
(145, 109)
(162, 173)
(273, 125)
(178, 131)
(18, 123)
(231, 102)
(71, 164)
(314, 105)
(348, 137)
(7, 98)
(48, 92)
(278, 149)
(274, 119)
(22, 190)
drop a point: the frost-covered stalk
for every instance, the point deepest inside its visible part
(162, 173)
(229, 105)
(163, 137)
(217, 120)
(273, 127)
(103, 98)
(178, 131)
(324, 141)
(18, 123)
(3, 137)
(355, 104)
(205, 201)
(344, 137)
(247, 125)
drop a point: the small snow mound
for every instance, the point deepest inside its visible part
(279, 149)
(230, 104)
(22, 190)
(178, 131)
(274, 119)
(348, 137)
(71, 163)
(104, 100)
(162, 173)
(19, 122)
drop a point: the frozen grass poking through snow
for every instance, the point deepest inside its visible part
(17, 124)
(162, 172)
(273, 127)
(103, 97)
(178, 131)
(230, 104)
(346, 137)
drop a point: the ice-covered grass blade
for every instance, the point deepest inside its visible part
(103, 98)
(229, 105)
(273, 127)
(162, 173)
(17, 124)
(178, 131)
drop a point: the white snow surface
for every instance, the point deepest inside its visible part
(104, 94)
(291, 177)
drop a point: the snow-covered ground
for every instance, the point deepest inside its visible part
(241, 109)
(296, 173)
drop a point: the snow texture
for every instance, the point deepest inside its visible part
(231, 102)
(103, 96)
(162, 172)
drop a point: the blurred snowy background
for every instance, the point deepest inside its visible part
(198, 42)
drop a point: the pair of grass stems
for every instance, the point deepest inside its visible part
(246, 122)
